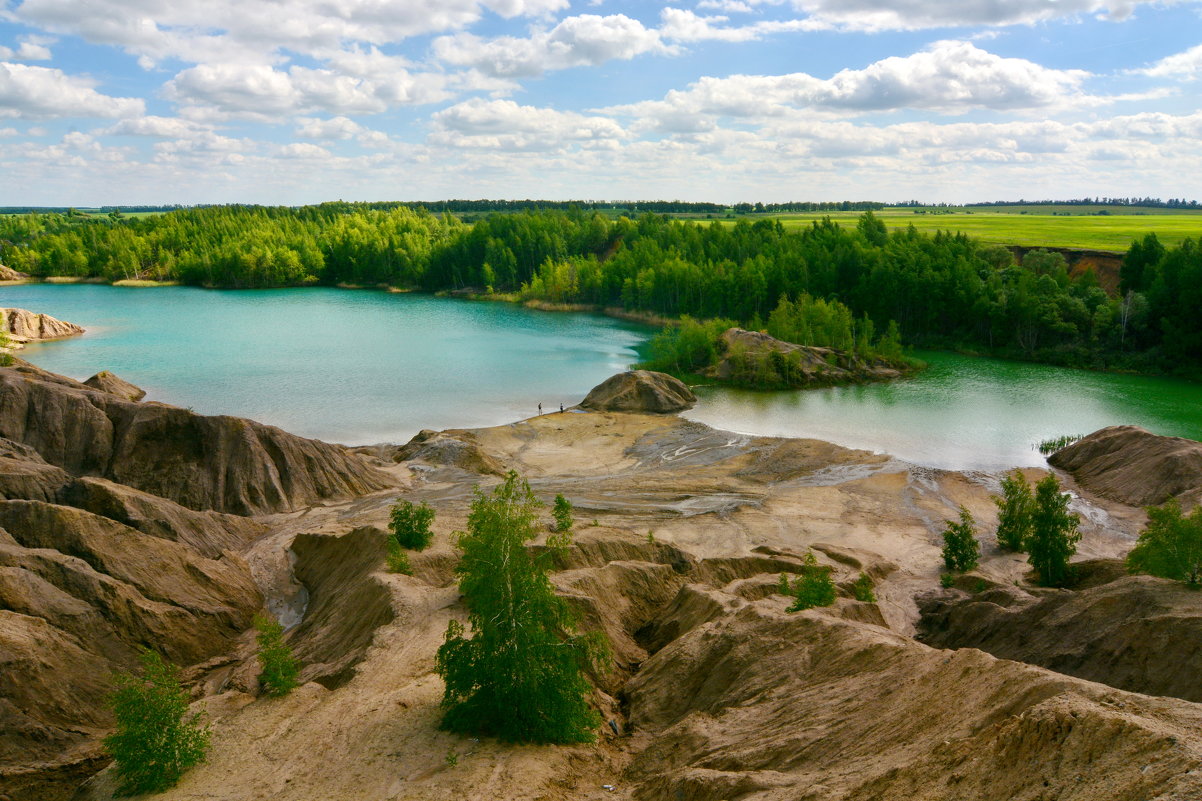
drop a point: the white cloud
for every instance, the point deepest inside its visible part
(339, 128)
(950, 77)
(682, 25)
(504, 125)
(584, 40)
(259, 90)
(879, 15)
(304, 150)
(234, 30)
(31, 48)
(41, 93)
(1185, 66)
(161, 127)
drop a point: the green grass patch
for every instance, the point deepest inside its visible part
(1112, 232)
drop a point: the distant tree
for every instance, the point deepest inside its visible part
(562, 512)
(1054, 535)
(518, 677)
(156, 740)
(872, 229)
(961, 551)
(814, 587)
(1139, 265)
(1015, 508)
(279, 668)
(1170, 546)
(410, 524)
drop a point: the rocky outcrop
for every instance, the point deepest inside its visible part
(753, 358)
(1136, 633)
(449, 449)
(1134, 466)
(9, 274)
(640, 391)
(23, 327)
(225, 464)
(113, 385)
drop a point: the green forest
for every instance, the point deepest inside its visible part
(941, 290)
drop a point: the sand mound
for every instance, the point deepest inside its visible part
(751, 702)
(640, 391)
(449, 449)
(1136, 633)
(1134, 466)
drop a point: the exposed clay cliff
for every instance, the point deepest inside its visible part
(225, 464)
(1136, 633)
(9, 274)
(640, 391)
(1134, 466)
(23, 327)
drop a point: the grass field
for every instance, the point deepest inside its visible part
(1113, 232)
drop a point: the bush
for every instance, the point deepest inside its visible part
(862, 589)
(1054, 536)
(410, 525)
(156, 739)
(397, 558)
(279, 669)
(1170, 546)
(562, 512)
(1015, 507)
(961, 551)
(518, 677)
(814, 587)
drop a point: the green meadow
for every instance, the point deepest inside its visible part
(1112, 232)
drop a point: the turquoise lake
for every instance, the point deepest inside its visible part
(363, 366)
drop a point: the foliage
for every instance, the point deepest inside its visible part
(1170, 546)
(1015, 506)
(1048, 446)
(814, 587)
(156, 740)
(279, 672)
(397, 558)
(518, 676)
(961, 551)
(1054, 535)
(562, 512)
(947, 580)
(942, 289)
(410, 524)
(862, 589)
(5, 343)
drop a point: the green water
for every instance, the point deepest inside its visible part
(362, 367)
(346, 366)
(963, 412)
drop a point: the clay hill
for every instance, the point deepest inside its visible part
(23, 326)
(114, 536)
(1135, 466)
(682, 532)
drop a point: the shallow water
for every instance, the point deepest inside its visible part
(963, 412)
(362, 366)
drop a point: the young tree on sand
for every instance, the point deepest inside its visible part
(1014, 510)
(518, 676)
(1170, 546)
(156, 739)
(961, 551)
(1054, 535)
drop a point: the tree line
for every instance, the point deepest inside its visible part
(942, 289)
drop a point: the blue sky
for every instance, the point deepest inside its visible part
(300, 101)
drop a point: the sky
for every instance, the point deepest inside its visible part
(124, 102)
